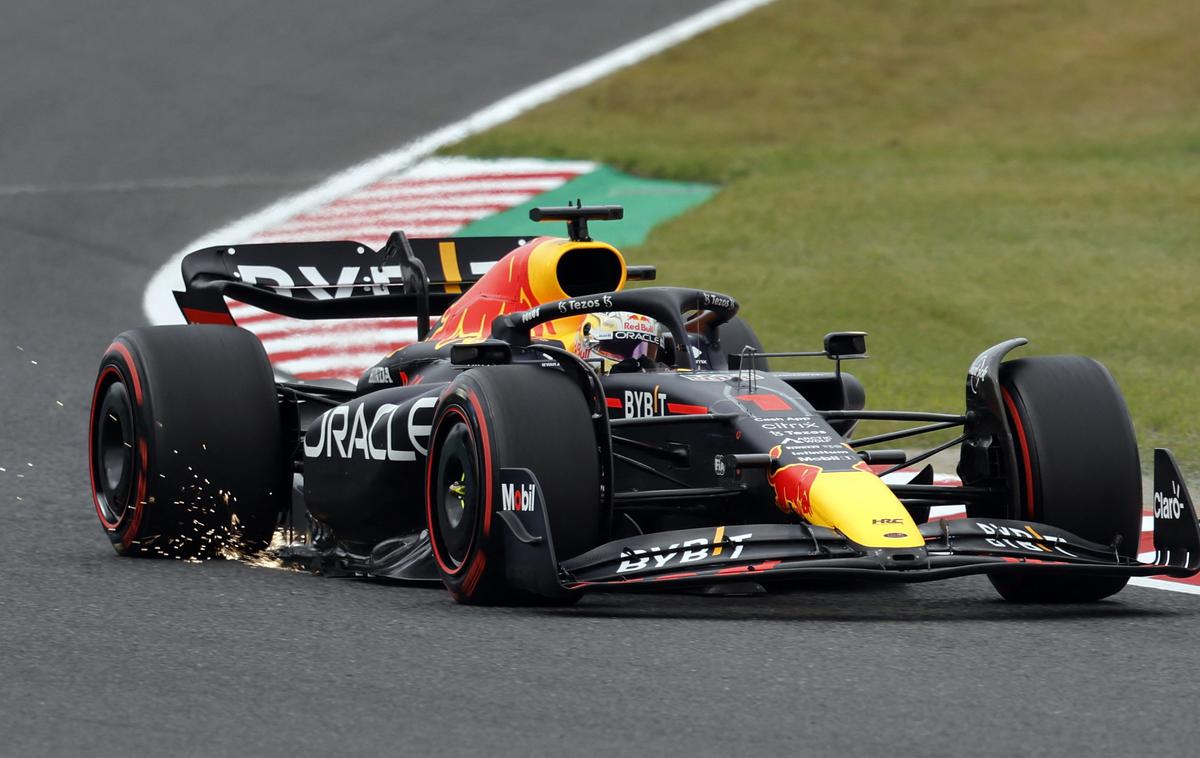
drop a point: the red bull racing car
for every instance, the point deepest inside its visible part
(553, 432)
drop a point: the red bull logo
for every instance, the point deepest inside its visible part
(635, 322)
(792, 485)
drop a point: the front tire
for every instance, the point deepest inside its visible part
(185, 442)
(499, 417)
(1077, 464)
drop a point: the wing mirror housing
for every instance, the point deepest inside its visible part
(485, 353)
(846, 345)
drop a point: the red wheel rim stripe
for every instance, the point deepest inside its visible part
(137, 383)
(1016, 417)
(139, 505)
(452, 571)
(487, 461)
(477, 565)
(142, 462)
(92, 449)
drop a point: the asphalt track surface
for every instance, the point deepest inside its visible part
(129, 129)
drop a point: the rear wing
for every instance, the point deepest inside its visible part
(329, 280)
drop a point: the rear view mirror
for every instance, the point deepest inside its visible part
(484, 353)
(841, 345)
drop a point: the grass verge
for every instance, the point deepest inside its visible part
(942, 175)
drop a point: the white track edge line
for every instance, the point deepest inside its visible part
(158, 302)
(1163, 584)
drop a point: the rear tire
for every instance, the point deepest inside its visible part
(509, 417)
(185, 442)
(1077, 464)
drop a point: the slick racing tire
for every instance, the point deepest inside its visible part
(185, 443)
(1077, 467)
(507, 417)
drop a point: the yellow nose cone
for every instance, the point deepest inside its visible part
(860, 506)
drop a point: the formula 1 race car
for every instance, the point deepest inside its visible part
(553, 432)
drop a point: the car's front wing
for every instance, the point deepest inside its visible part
(771, 552)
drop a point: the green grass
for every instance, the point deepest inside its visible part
(942, 175)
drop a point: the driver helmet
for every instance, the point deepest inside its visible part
(617, 336)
